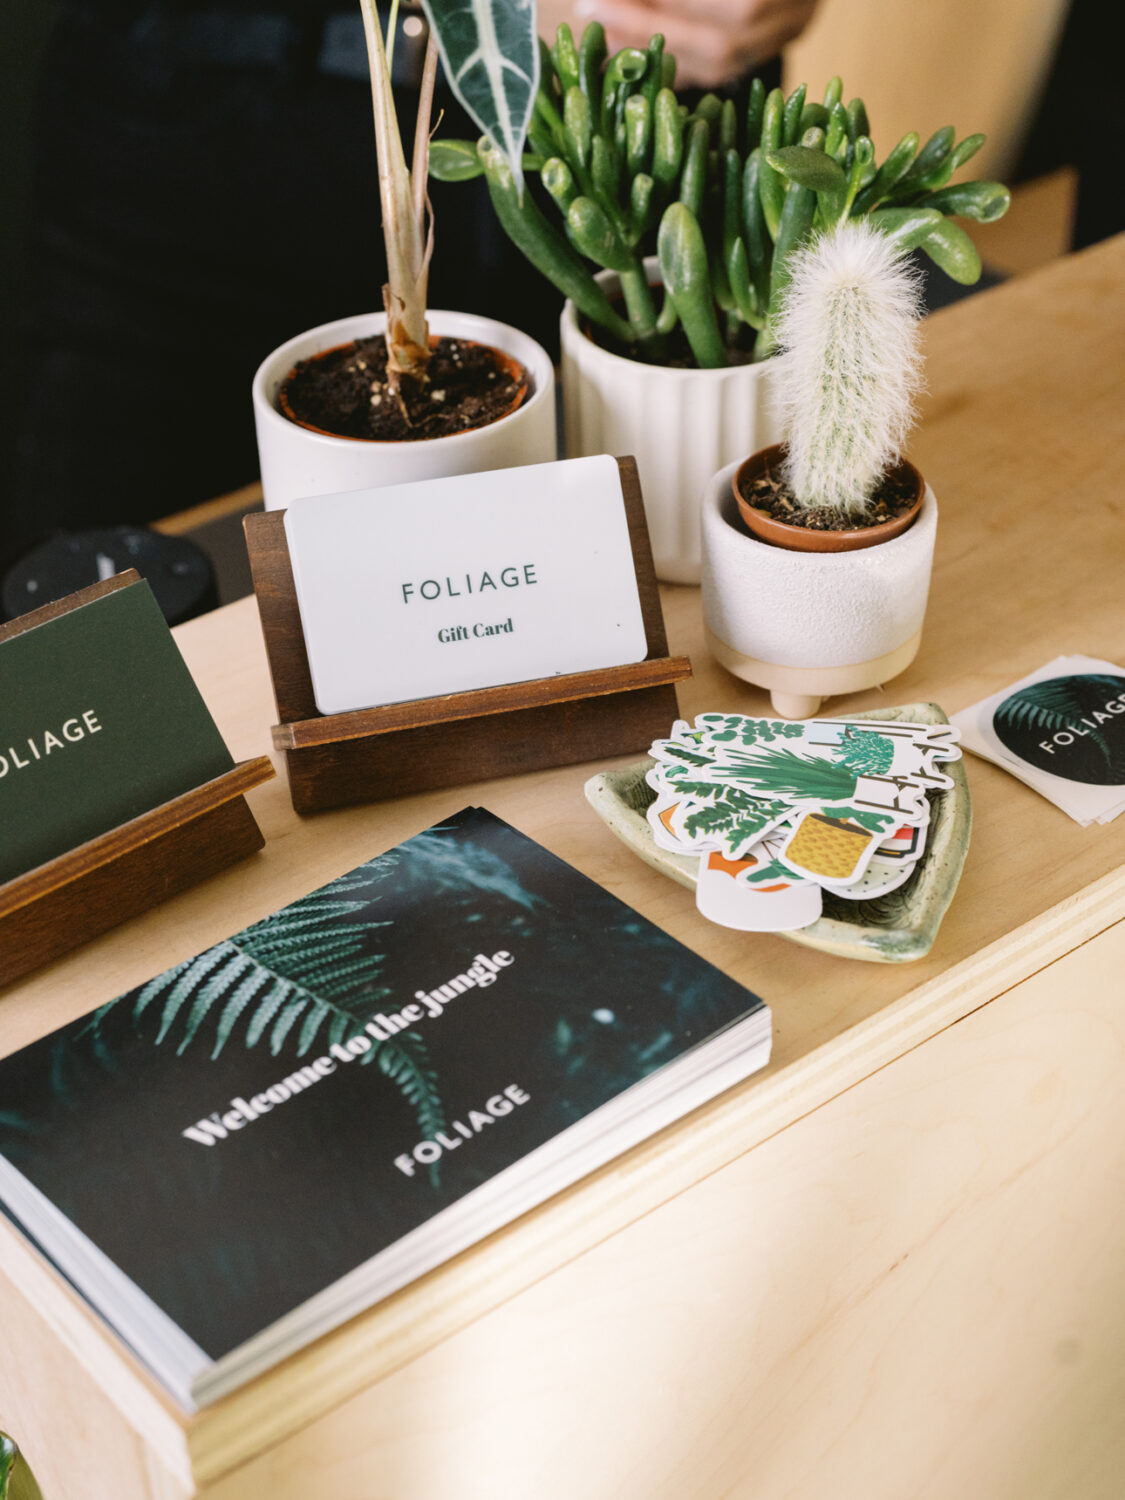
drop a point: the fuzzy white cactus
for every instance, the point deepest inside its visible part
(851, 367)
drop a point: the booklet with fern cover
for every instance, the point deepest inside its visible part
(263, 1141)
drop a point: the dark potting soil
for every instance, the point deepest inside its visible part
(344, 391)
(768, 492)
(673, 350)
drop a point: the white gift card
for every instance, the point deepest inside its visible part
(447, 585)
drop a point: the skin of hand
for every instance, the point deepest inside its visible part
(714, 41)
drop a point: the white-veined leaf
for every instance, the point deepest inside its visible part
(490, 52)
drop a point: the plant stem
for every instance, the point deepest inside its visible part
(420, 165)
(407, 243)
(392, 36)
(766, 343)
(638, 302)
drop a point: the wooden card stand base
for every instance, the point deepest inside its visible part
(338, 759)
(86, 891)
(130, 869)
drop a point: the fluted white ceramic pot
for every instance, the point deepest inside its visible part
(809, 625)
(680, 426)
(297, 462)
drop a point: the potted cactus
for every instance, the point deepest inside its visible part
(693, 217)
(406, 394)
(817, 552)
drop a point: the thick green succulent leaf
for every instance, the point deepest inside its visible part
(591, 56)
(966, 149)
(592, 235)
(791, 115)
(491, 55)
(687, 276)
(906, 228)
(895, 167)
(16, 1480)
(813, 114)
(545, 246)
(455, 161)
(559, 181)
(857, 120)
(949, 247)
(578, 124)
(667, 140)
(808, 168)
(983, 201)
(932, 166)
(565, 57)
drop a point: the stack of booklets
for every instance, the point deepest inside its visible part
(249, 1150)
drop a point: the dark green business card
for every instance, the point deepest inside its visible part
(100, 721)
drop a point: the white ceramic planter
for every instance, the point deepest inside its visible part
(297, 462)
(808, 625)
(680, 426)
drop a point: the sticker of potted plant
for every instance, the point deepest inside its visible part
(724, 199)
(392, 397)
(823, 590)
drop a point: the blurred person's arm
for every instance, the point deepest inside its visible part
(714, 41)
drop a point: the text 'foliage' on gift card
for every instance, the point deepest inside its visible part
(468, 582)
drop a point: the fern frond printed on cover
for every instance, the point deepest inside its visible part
(303, 975)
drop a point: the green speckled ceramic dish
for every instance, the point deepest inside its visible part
(892, 929)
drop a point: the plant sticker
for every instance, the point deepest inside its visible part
(755, 894)
(771, 807)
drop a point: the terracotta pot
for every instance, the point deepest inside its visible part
(504, 362)
(805, 538)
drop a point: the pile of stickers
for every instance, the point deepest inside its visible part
(1061, 730)
(779, 812)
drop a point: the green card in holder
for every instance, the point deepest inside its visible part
(100, 721)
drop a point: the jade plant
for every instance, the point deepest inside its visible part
(16, 1480)
(723, 196)
(846, 381)
(497, 85)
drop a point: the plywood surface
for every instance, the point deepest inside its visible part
(913, 1292)
(1019, 436)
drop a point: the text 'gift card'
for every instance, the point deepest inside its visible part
(453, 584)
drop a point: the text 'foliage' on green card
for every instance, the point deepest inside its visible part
(100, 721)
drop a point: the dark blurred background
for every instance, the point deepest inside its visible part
(188, 183)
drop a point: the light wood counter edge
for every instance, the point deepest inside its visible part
(198, 1450)
(154, 1418)
(491, 1273)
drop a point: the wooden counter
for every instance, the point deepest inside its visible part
(710, 1316)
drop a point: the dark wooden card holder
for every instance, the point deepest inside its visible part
(89, 889)
(335, 760)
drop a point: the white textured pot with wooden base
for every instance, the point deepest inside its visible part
(809, 625)
(296, 461)
(680, 425)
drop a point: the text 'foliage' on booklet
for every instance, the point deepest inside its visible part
(250, 1149)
